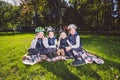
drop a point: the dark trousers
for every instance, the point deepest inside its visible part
(71, 54)
(50, 52)
(35, 51)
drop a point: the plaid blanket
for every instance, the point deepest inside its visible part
(87, 56)
(90, 58)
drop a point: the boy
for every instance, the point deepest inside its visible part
(52, 45)
(37, 48)
(75, 45)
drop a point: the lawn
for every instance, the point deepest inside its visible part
(14, 46)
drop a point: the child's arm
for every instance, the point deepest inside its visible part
(33, 43)
(77, 43)
(69, 43)
(58, 43)
(45, 42)
(73, 46)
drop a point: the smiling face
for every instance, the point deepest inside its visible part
(63, 35)
(40, 34)
(51, 34)
(72, 31)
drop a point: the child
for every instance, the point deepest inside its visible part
(62, 44)
(52, 44)
(75, 45)
(37, 48)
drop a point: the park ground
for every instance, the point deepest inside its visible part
(14, 45)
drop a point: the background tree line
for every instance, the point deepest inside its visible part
(88, 15)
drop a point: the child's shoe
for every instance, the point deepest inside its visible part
(54, 59)
(29, 62)
(78, 62)
(48, 60)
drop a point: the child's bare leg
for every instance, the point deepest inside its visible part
(62, 52)
(58, 51)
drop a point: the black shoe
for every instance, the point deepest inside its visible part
(78, 62)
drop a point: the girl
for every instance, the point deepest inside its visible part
(62, 44)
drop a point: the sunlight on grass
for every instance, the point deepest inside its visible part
(103, 46)
(14, 46)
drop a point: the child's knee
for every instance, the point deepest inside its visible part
(62, 52)
(33, 51)
(58, 52)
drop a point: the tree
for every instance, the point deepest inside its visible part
(8, 15)
(31, 11)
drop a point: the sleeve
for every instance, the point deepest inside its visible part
(58, 43)
(69, 43)
(33, 43)
(45, 43)
(77, 43)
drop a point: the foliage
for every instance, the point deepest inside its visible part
(94, 15)
(31, 11)
(9, 15)
(88, 15)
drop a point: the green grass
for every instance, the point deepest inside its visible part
(14, 46)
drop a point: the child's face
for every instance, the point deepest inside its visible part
(63, 35)
(51, 34)
(40, 34)
(72, 31)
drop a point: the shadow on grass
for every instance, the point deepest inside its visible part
(88, 72)
(59, 69)
(108, 66)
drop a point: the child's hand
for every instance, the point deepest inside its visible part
(68, 48)
(43, 37)
(36, 37)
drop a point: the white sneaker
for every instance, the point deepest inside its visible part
(37, 58)
(98, 60)
(29, 62)
(48, 60)
(53, 59)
